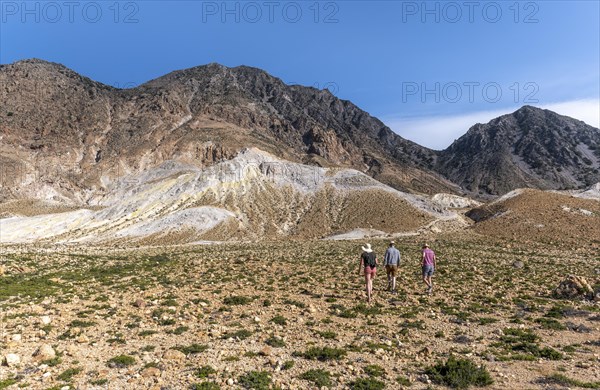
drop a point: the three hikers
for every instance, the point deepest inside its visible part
(368, 267)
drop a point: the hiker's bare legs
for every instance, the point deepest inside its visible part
(369, 285)
(427, 280)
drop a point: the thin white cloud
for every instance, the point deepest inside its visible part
(438, 132)
(585, 110)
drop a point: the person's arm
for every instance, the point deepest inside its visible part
(434, 261)
(360, 267)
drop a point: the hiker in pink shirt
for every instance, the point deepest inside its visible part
(428, 267)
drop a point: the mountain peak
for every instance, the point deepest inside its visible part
(531, 147)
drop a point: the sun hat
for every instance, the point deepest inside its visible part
(367, 248)
(425, 245)
(392, 242)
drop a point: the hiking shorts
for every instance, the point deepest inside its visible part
(370, 271)
(428, 270)
(391, 270)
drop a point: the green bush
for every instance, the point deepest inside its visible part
(275, 342)
(367, 384)
(180, 330)
(279, 320)
(192, 348)
(241, 334)
(323, 353)
(329, 335)
(403, 381)
(68, 374)
(7, 382)
(555, 312)
(550, 323)
(121, 361)
(319, 377)
(563, 380)
(375, 370)
(257, 380)
(367, 310)
(204, 371)
(81, 324)
(459, 374)
(294, 303)
(237, 300)
(512, 335)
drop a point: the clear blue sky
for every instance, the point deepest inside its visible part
(381, 55)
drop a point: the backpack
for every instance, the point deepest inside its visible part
(369, 259)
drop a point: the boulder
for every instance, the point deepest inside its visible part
(139, 303)
(173, 354)
(574, 287)
(45, 352)
(150, 372)
(518, 264)
(12, 360)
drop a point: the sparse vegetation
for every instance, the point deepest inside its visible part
(459, 374)
(68, 374)
(318, 377)
(205, 371)
(121, 361)
(237, 300)
(367, 384)
(4, 383)
(258, 380)
(192, 348)
(275, 342)
(241, 334)
(323, 353)
(331, 328)
(279, 320)
(563, 380)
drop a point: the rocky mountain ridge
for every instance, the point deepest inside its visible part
(530, 148)
(65, 136)
(87, 134)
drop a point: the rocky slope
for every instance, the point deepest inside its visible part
(66, 137)
(251, 197)
(540, 216)
(531, 147)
